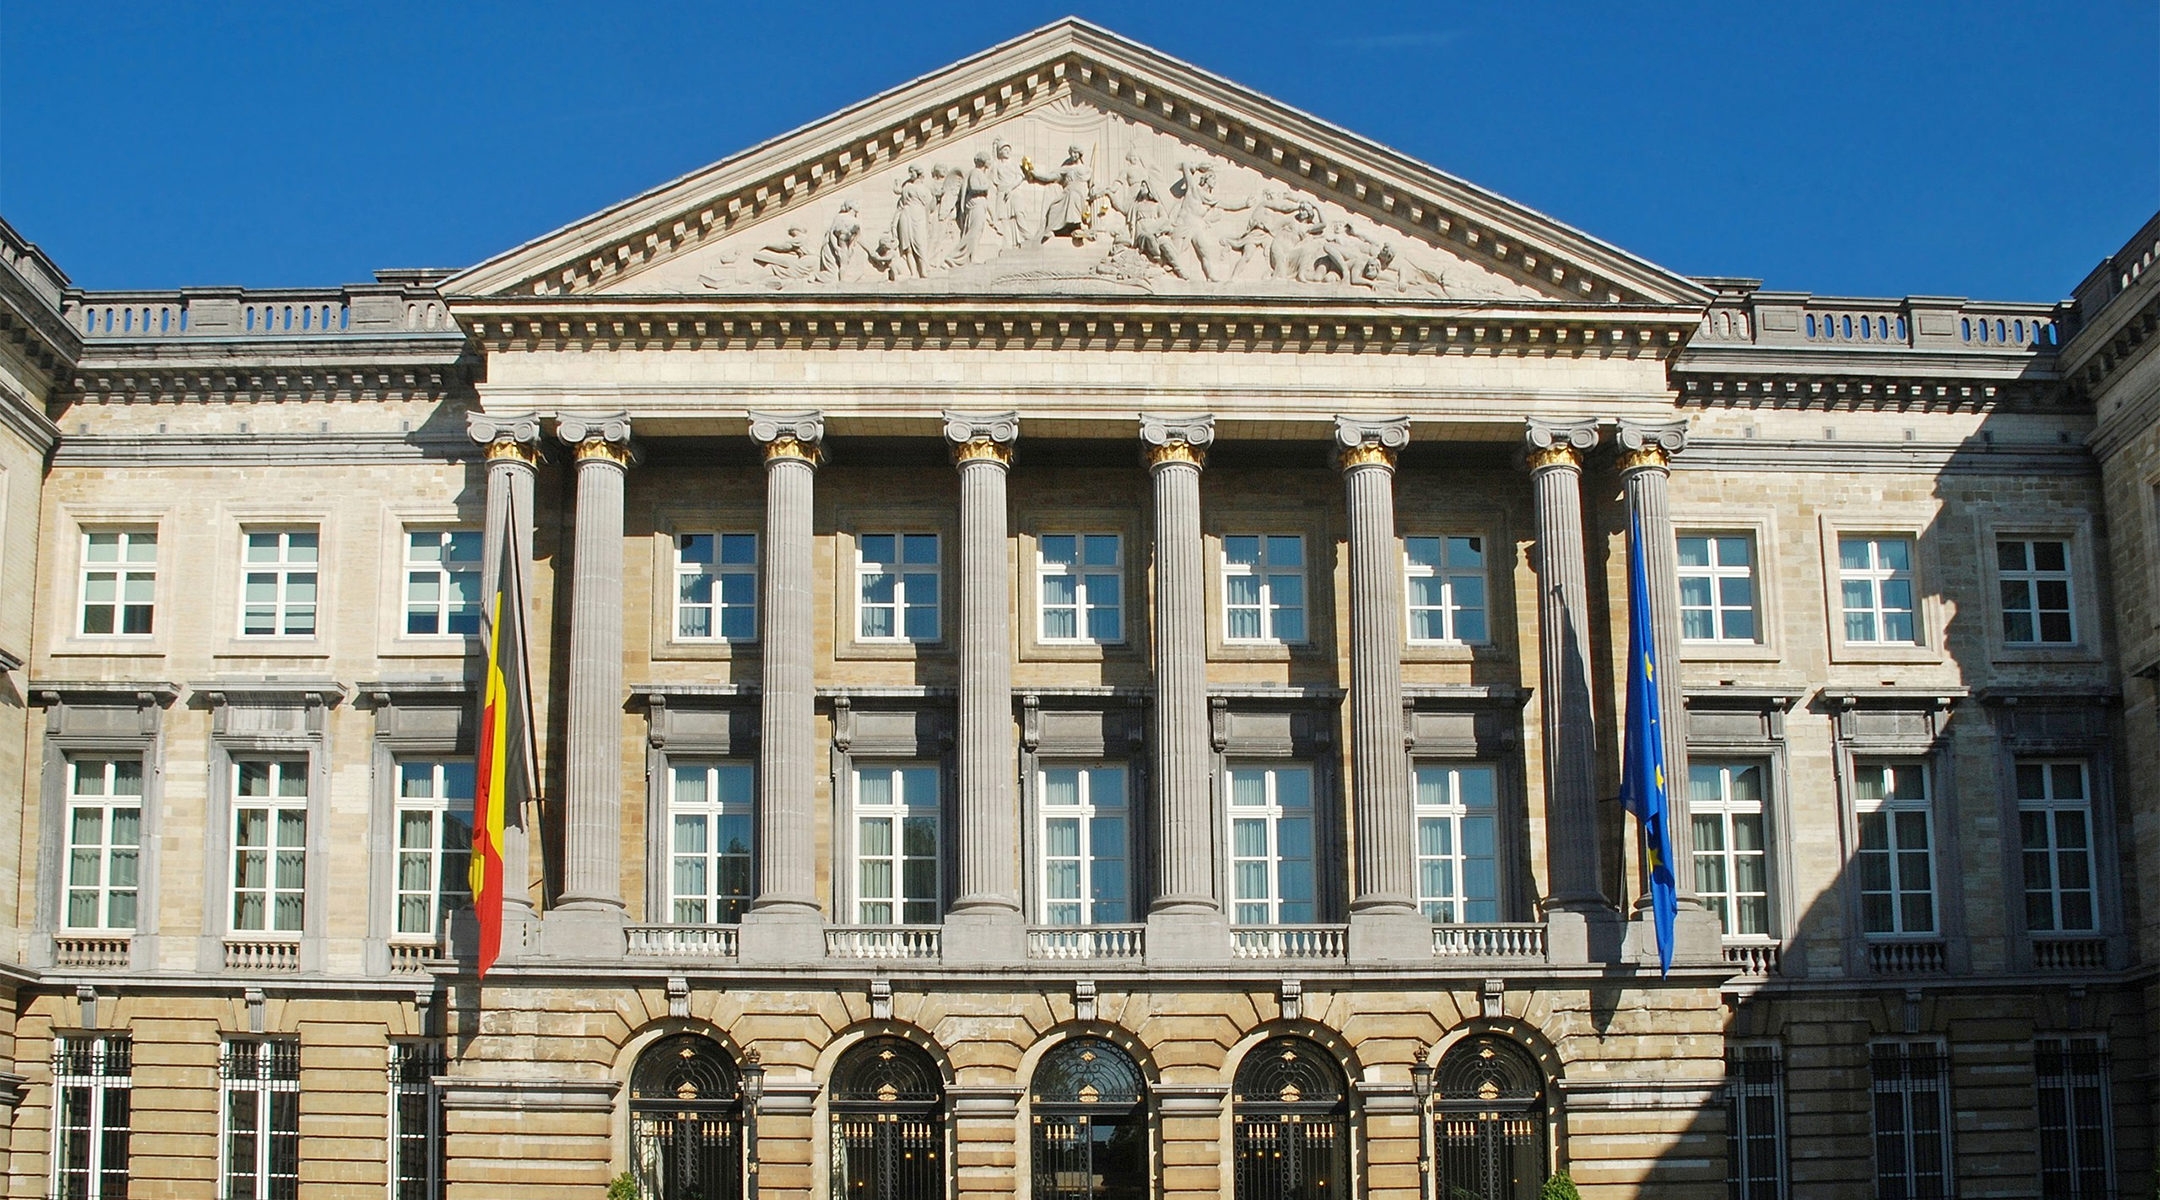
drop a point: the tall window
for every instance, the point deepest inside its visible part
(269, 845)
(1896, 860)
(1082, 587)
(686, 1121)
(1755, 1123)
(416, 1120)
(710, 805)
(278, 587)
(434, 822)
(1290, 1124)
(888, 1123)
(104, 842)
(2077, 1126)
(1271, 845)
(1717, 587)
(1876, 582)
(93, 1078)
(896, 845)
(1446, 578)
(2055, 823)
(2035, 579)
(1725, 802)
(1458, 860)
(261, 1118)
(1085, 841)
(896, 576)
(1089, 1104)
(119, 581)
(1911, 1088)
(442, 581)
(1489, 1133)
(1264, 588)
(716, 582)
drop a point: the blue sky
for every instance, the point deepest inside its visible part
(1984, 149)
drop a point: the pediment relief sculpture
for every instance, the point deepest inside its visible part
(1072, 198)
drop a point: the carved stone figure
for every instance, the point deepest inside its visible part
(841, 258)
(1068, 212)
(945, 185)
(788, 257)
(910, 235)
(978, 240)
(1007, 207)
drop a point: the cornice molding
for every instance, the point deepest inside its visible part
(1895, 458)
(154, 381)
(1834, 393)
(259, 449)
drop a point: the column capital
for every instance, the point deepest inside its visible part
(602, 436)
(1177, 438)
(1370, 441)
(1558, 444)
(1649, 445)
(982, 436)
(506, 435)
(799, 436)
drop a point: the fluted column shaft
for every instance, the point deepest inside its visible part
(989, 817)
(1645, 471)
(1569, 729)
(592, 835)
(787, 734)
(1386, 850)
(1185, 825)
(512, 457)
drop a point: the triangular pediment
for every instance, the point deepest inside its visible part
(1072, 162)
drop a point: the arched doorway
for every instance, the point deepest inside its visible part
(686, 1121)
(888, 1121)
(1489, 1121)
(1089, 1105)
(1290, 1112)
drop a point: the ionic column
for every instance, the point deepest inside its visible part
(982, 446)
(513, 457)
(1185, 823)
(787, 735)
(1569, 730)
(589, 920)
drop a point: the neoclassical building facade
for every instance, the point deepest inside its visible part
(1077, 624)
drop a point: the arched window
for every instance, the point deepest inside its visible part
(1489, 1121)
(1290, 1110)
(686, 1121)
(888, 1120)
(1090, 1124)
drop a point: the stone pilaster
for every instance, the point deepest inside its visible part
(1646, 453)
(1384, 920)
(1582, 923)
(513, 458)
(1186, 922)
(784, 924)
(985, 923)
(588, 923)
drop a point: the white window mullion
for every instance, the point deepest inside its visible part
(442, 582)
(710, 807)
(897, 861)
(1271, 839)
(1083, 840)
(278, 594)
(269, 846)
(716, 585)
(119, 582)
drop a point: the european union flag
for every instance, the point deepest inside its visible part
(1643, 783)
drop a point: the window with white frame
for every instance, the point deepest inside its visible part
(434, 851)
(1910, 1084)
(119, 582)
(897, 860)
(278, 586)
(2076, 1126)
(1875, 583)
(1897, 859)
(2034, 575)
(1271, 845)
(269, 845)
(260, 1116)
(104, 842)
(1264, 587)
(1084, 841)
(416, 1116)
(716, 585)
(1080, 579)
(1446, 581)
(1732, 873)
(1458, 862)
(1717, 587)
(2055, 825)
(1755, 1122)
(442, 582)
(896, 576)
(710, 807)
(93, 1100)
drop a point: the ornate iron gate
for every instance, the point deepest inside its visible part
(888, 1124)
(1291, 1116)
(1090, 1124)
(686, 1121)
(1489, 1122)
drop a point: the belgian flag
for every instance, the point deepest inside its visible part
(504, 769)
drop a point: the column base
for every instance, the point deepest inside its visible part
(986, 937)
(1188, 939)
(590, 931)
(1576, 937)
(781, 937)
(1390, 937)
(1698, 939)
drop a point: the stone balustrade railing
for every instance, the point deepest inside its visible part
(398, 306)
(1521, 942)
(261, 956)
(1907, 958)
(2069, 954)
(91, 952)
(1754, 960)
(415, 958)
(683, 941)
(1290, 941)
(1911, 323)
(2118, 271)
(884, 941)
(1095, 942)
